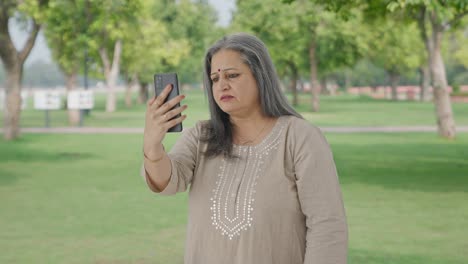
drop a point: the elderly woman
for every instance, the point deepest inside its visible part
(263, 183)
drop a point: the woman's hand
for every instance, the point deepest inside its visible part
(158, 121)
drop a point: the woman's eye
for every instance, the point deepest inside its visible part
(215, 79)
(233, 75)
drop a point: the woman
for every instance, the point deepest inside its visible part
(263, 183)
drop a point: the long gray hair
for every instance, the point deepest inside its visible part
(218, 131)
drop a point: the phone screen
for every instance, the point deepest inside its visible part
(161, 80)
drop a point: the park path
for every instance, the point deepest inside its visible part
(129, 130)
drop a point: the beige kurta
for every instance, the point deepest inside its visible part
(280, 202)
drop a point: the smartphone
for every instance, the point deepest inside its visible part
(161, 80)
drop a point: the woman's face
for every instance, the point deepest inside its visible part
(234, 86)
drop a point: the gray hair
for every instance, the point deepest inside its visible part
(254, 53)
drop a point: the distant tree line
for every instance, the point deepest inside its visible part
(40, 74)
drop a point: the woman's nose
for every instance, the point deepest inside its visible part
(223, 84)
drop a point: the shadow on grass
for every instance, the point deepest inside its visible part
(358, 256)
(7, 177)
(407, 166)
(19, 152)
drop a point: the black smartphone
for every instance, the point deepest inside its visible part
(161, 80)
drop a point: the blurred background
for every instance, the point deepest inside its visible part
(387, 81)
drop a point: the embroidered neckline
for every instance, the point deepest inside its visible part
(233, 196)
(265, 140)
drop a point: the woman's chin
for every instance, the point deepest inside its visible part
(228, 110)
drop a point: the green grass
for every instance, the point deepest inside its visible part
(343, 110)
(349, 110)
(80, 199)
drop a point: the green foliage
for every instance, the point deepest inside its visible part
(288, 30)
(395, 46)
(341, 43)
(110, 20)
(193, 23)
(79, 25)
(35, 9)
(66, 33)
(277, 25)
(444, 11)
(149, 47)
(365, 73)
(170, 36)
(459, 42)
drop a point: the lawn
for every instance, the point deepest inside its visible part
(80, 199)
(343, 110)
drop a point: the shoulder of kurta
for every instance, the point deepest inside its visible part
(304, 130)
(306, 139)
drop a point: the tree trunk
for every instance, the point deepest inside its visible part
(143, 92)
(128, 91)
(323, 85)
(73, 114)
(443, 105)
(294, 77)
(132, 83)
(424, 82)
(111, 71)
(422, 19)
(11, 116)
(347, 79)
(315, 86)
(128, 95)
(394, 80)
(13, 61)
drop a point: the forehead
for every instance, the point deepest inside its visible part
(224, 59)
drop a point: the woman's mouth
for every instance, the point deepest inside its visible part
(225, 98)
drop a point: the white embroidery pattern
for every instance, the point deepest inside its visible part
(233, 195)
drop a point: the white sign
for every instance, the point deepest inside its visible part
(80, 99)
(24, 100)
(2, 100)
(46, 100)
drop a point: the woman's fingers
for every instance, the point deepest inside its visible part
(174, 122)
(174, 112)
(151, 101)
(169, 105)
(162, 97)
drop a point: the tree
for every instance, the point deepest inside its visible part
(277, 25)
(65, 32)
(436, 17)
(302, 34)
(150, 49)
(457, 43)
(109, 24)
(395, 47)
(194, 22)
(13, 59)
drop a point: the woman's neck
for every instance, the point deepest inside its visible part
(251, 129)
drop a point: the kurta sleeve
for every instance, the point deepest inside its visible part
(319, 196)
(183, 156)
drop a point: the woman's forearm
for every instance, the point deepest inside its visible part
(159, 172)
